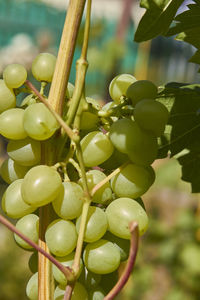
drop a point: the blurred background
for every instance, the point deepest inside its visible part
(168, 264)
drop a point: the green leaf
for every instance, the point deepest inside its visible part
(156, 19)
(183, 101)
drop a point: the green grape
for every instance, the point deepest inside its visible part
(12, 202)
(32, 287)
(79, 292)
(119, 86)
(28, 100)
(104, 193)
(29, 226)
(11, 124)
(7, 97)
(70, 90)
(151, 115)
(68, 204)
(96, 148)
(39, 123)
(132, 181)
(67, 261)
(14, 75)
(115, 160)
(43, 67)
(33, 262)
(108, 281)
(122, 245)
(101, 257)
(11, 171)
(125, 210)
(93, 102)
(141, 89)
(89, 279)
(88, 120)
(96, 225)
(41, 185)
(96, 293)
(61, 237)
(129, 138)
(26, 152)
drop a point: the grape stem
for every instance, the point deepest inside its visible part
(101, 183)
(73, 136)
(133, 226)
(67, 271)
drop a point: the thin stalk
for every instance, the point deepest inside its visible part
(67, 271)
(68, 291)
(65, 55)
(130, 263)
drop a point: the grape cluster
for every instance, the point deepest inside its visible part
(122, 134)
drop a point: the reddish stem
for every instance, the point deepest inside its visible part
(67, 271)
(130, 263)
(68, 291)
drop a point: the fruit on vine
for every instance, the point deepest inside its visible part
(151, 115)
(26, 152)
(96, 148)
(121, 244)
(101, 257)
(141, 89)
(32, 287)
(68, 204)
(11, 124)
(43, 67)
(7, 97)
(97, 293)
(88, 279)
(119, 86)
(11, 171)
(12, 202)
(132, 181)
(39, 123)
(41, 185)
(96, 225)
(14, 75)
(29, 226)
(79, 292)
(126, 210)
(61, 237)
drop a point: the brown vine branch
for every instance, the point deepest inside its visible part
(66, 128)
(67, 271)
(130, 263)
(68, 291)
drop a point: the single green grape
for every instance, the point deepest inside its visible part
(11, 124)
(7, 97)
(79, 292)
(104, 193)
(121, 244)
(129, 138)
(61, 237)
(41, 185)
(96, 293)
(32, 287)
(43, 67)
(125, 210)
(14, 75)
(96, 225)
(88, 121)
(12, 202)
(101, 257)
(29, 226)
(141, 89)
(96, 148)
(88, 279)
(68, 204)
(67, 261)
(33, 262)
(151, 115)
(132, 181)
(26, 152)
(11, 171)
(38, 122)
(119, 86)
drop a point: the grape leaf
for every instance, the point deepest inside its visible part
(157, 18)
(183, 132)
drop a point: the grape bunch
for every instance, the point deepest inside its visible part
(122, 135)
